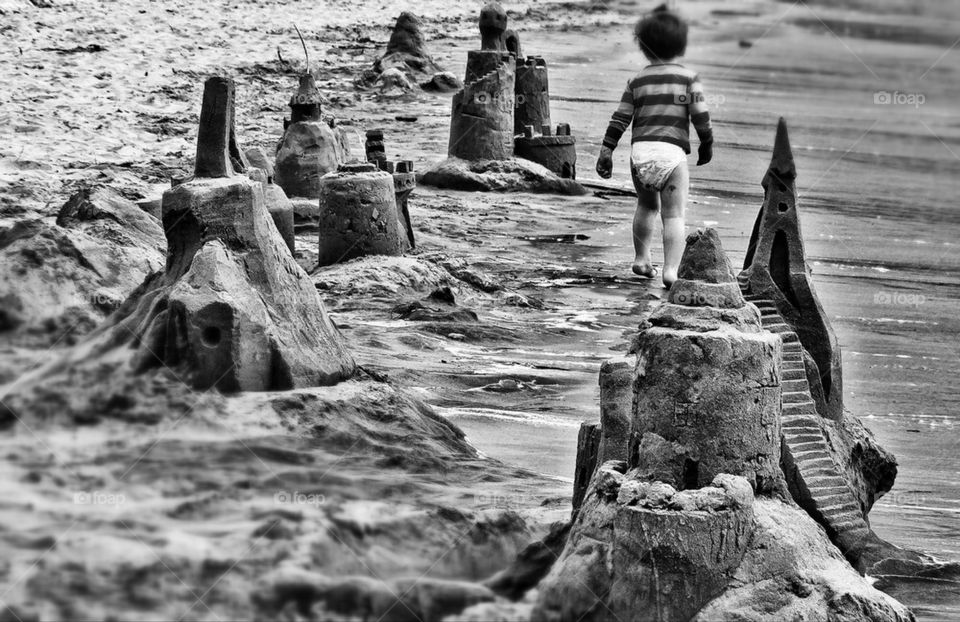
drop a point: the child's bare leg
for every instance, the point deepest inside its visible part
(644, 222)
(673, 199)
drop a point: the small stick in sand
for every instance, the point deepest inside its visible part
(306, 54)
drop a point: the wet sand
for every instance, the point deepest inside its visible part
(877, 202)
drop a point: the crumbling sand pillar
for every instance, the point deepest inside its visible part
(616, 407)
(358, 214)
(374, 147)
(707, 388)
(310, 147)
(404, 182)
(279, 206)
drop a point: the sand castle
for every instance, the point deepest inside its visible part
(482, 120)
(731, 405)
(500, 121)
(310, 147)
(535, 139)
(504, 107)
(232, 310)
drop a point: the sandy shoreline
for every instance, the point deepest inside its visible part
(878, 200)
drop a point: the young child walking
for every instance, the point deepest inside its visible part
(661, 102)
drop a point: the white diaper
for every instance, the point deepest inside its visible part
(652, 163)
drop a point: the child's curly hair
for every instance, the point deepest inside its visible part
(661, 34)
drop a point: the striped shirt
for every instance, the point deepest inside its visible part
(661, 102)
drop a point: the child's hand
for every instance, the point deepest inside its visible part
(705, 152)
(605, 163)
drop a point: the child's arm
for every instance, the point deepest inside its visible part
(618, 125)
(700, 117)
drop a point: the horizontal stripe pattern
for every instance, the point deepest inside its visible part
(661, 102)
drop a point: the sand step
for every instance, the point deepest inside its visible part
(805, 435)
(821, 462)
(822, 477)
(798, 447)
(794, 375)
(823, 481)
(796, 397)
(852, 524)
(818, 453)
(839, 512)
(802, 420)
(826, 492)
(799, 384)
(824, 500)
(800, 408)
(791, 430)
(794, 430)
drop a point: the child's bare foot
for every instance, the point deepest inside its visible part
(669, 277)
(644, 269)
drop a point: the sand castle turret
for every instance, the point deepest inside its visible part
(707, 382)
(834, 468)
(535, 140)
(358, 214)
(310, 147)
(775, 269)
(481, 123)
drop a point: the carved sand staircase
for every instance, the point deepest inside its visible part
(776, 279)
(816, 482)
